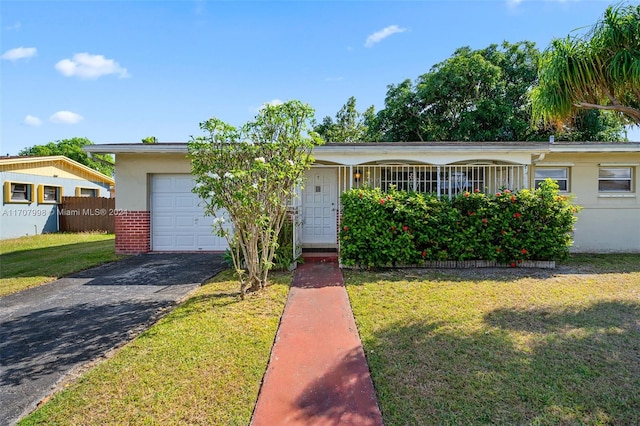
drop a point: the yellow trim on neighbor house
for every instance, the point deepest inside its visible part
(41, 199)
(53, 165)
(79, 189)
(8, 192)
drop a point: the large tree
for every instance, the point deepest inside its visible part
(349, 125)
(250, 175)
(597, 70)
(479, 95)
(475, 95)
(72, 148)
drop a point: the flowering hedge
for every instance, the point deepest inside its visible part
(407, 228)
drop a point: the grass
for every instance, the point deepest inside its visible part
(201, 364)
(30, 261)
(504, 346)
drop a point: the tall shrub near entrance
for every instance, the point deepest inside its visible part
(403, 228)
(251, 173)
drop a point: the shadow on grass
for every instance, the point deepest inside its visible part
(582, 264)
(535, 366)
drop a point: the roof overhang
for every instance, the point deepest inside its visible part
(400, 148)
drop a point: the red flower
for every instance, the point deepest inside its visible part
(406, 228)
(476, 190)
(466, 194)
(485, 220)
(382, 201)
(506, 191)
(517, 215)
(524, 251)
(424, 253)
(389, 197)
(513, 198)
(513, 264)
(498, 194)
(360, 195)
(346, 228)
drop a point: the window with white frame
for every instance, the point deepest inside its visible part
(49, 194)
(615, 179)
(17, 192)
(558, 174)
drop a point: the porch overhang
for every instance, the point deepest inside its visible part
(428, 153)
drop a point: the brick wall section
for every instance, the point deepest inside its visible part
(133, 232)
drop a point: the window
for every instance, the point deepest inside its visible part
(614, 179)
(87, 192)
(558, 174)
(16, 192)
(49, 194)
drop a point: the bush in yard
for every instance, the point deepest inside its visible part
(402, 228)
(252, 173)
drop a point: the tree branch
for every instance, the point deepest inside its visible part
(633, 113)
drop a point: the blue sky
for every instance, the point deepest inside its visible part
(120, 71)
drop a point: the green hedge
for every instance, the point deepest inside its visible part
(407, 228)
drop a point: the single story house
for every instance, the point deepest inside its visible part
(162, 214)
(33, 188)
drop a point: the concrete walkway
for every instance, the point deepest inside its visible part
(317, 374)
(48, 331)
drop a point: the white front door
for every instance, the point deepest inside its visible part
(320, 206)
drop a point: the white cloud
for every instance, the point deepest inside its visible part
(32, 121)
(87, 66)
(66, 117)
(19, 53)
(15, 26)
(378, 36)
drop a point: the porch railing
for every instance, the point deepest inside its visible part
(444, 180)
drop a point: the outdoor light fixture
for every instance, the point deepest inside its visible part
(356, 175)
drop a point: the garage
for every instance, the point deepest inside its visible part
(178, 222)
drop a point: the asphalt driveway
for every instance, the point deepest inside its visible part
(48, 331)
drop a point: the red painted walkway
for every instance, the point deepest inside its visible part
(318, 374)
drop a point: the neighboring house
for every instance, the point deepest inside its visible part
(33, 188)
(162, 214)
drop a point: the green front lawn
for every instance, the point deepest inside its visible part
(202, 364)
(30, 261)
(504, 346)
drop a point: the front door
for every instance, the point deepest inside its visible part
(319, 206)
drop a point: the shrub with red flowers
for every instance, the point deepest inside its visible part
(409, 227)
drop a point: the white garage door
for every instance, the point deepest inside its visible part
(178, 222)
